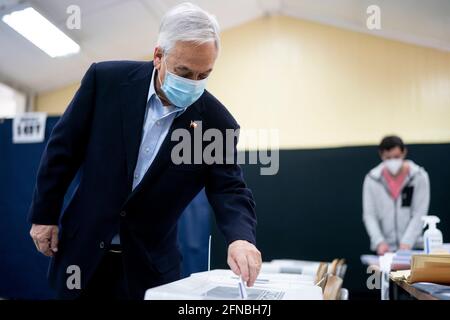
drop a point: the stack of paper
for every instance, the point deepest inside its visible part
(430, 268)
(433, 268)
(223, 285)
(307, 268)
(400, 275)
(402, 258)
(275, 280)
(304, 268)
(439, 291)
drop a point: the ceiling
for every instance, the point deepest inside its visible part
(127, 29)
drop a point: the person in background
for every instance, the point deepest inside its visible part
(396, 194)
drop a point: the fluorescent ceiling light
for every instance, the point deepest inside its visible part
(41, 32)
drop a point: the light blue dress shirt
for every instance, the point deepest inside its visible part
(157, 122)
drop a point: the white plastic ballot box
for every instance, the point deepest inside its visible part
(223, 285)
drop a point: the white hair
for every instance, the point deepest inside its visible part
(187, 22)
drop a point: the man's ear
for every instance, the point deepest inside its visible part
(157, 56)
(405, 153)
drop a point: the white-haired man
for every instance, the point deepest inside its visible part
(118, 235)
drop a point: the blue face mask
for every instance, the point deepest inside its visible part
(180, 91)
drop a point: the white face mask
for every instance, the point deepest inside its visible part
(393, 165)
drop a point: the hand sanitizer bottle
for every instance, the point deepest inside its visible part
(432, 238)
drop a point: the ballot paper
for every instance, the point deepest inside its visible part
(223, 285)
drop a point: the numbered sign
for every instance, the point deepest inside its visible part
(29, 127)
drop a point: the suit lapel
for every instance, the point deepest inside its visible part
(133, 102)
(163, 157)
(134, 95)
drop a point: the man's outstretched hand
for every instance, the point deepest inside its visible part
(45, 238)
(244, 260)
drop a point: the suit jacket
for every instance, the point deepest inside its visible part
(99, 136)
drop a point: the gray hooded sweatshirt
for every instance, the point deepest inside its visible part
(395, 221)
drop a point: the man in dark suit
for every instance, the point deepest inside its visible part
(117, 236)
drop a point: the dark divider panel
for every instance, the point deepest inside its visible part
(312, 209)
(22, 269)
